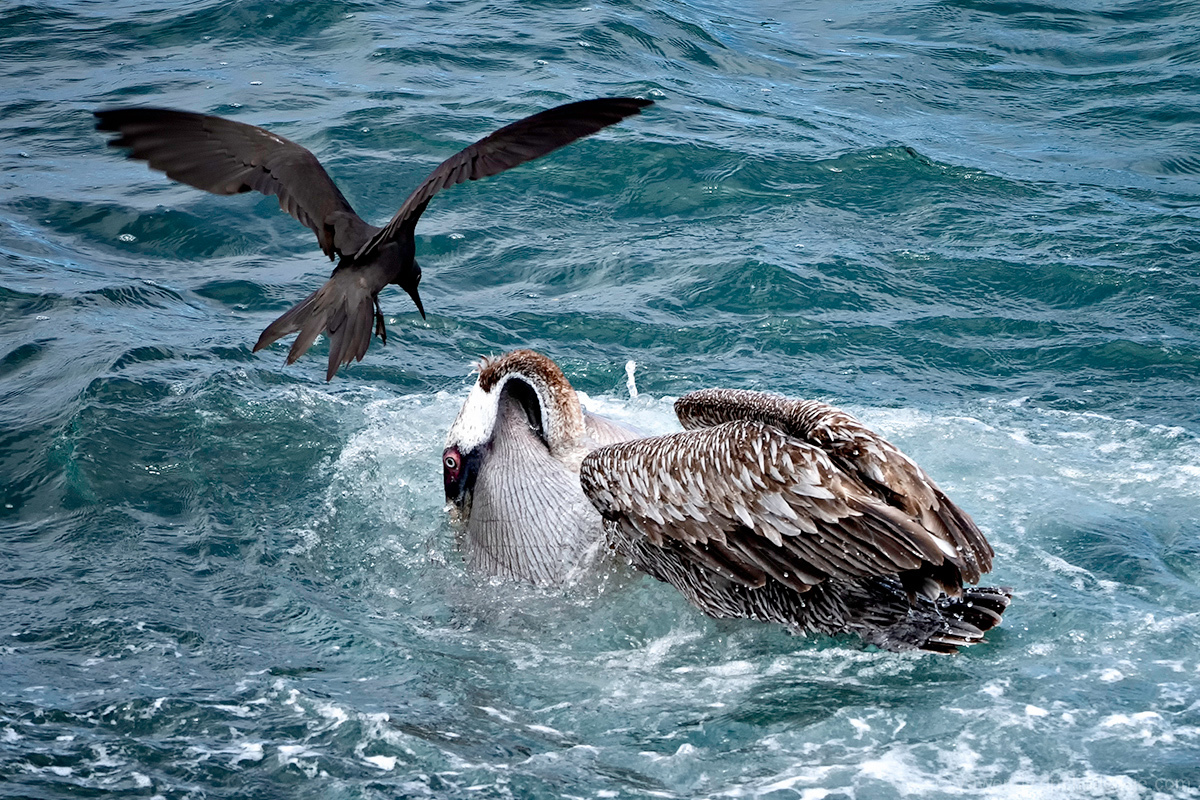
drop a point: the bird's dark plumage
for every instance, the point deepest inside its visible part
(227, 157)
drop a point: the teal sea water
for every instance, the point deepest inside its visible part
(974, 224)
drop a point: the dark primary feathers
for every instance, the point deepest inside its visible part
(516, 143)
(227, 157)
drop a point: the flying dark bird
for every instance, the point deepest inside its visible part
(764, 508)
(226, 157)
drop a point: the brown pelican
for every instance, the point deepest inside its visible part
(511, 469)
(764, 508)
(226, 157)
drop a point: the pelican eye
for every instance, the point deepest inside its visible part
(451, 462)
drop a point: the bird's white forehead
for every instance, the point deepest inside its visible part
(477, 418)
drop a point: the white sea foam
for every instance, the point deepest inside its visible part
(389, 473)
(1016, 467)
(385, 763)
(247, 751)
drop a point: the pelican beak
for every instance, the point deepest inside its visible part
(459, 472)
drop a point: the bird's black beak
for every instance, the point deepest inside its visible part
(410, 283)
(459, 472)
(416, 299)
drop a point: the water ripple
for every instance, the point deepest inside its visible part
(973, 223)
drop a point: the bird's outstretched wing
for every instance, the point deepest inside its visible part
(226, 157)
(856, 450)
(514, 144)
(748, 502)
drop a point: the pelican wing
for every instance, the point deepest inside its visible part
(863, 455)
(225, 157)
(749, 502)
(521, 141)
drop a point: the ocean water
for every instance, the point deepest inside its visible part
(974, 224)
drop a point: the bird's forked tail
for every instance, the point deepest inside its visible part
(344, 309)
